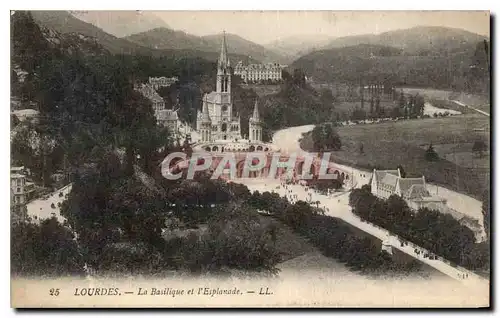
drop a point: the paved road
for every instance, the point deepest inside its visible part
(467, 106)
(338, 206)
(41, 208)
(288, 140)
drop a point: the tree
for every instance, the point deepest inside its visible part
(402, 100)
(479, 147)
(419, 105)
(431, 154)
(45, 249)
(486, 209)
(325, 137)
(14, 121)
(402, 171)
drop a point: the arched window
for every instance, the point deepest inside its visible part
(224, 127)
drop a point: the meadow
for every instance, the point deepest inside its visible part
(387, 145)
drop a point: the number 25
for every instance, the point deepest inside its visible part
(54, 292)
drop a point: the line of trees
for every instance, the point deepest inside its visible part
(437, 232)
(330, 235)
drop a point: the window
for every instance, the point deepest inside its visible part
(18, 190)
(18, 182)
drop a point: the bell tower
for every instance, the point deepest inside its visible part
(254, 125)
(224, 72)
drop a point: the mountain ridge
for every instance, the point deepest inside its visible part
(413, 40)
(121, 23)
(163, 38)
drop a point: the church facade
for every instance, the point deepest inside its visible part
(217, 120)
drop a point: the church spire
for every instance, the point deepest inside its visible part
(205, 116)
(223, 60)
(255, 116)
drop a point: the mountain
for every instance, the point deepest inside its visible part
(421, 40)
(368, 62)
(121, 23)
(295, 46)
(165, 38)
(239, 45)
(64, 22)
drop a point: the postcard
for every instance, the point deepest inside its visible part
(171, 159)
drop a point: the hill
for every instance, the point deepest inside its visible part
(464, 69)
(422, 40)
(294, 46)
(239, 45)
(121, 23)
(165, 38)
(65, 23)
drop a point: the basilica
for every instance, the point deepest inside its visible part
(217, 124)
(217, 120)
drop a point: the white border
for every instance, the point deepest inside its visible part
(188, 5)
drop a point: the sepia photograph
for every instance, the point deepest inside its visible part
(182, 159)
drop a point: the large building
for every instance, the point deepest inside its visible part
(157, 82)
(21, 192)
(413, 190)
(217, 120)
(258, 72)
(164, 117)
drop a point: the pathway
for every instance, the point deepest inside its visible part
(288, 141)
(467, 106)
(338, 206)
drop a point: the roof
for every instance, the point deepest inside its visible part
(406, 183)
(26, 112)
(418, 191)
(388, 177)
(211, 97)
(167, 114)
(149, 92)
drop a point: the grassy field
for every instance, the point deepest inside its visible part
(350, 106)
(447, 104)
(480, 102)
(387, 145)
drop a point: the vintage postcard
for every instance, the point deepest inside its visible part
(250, 159)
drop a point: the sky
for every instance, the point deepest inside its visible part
(267, 26)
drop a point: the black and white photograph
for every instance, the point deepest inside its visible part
(165, 159)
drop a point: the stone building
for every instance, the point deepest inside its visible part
(258, 72)
(164, 117)
(21, 192)
(217, 120)
(157, 82)
(413, 190)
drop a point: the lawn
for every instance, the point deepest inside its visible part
(349, 106)
(481, 102)
(387, 145)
